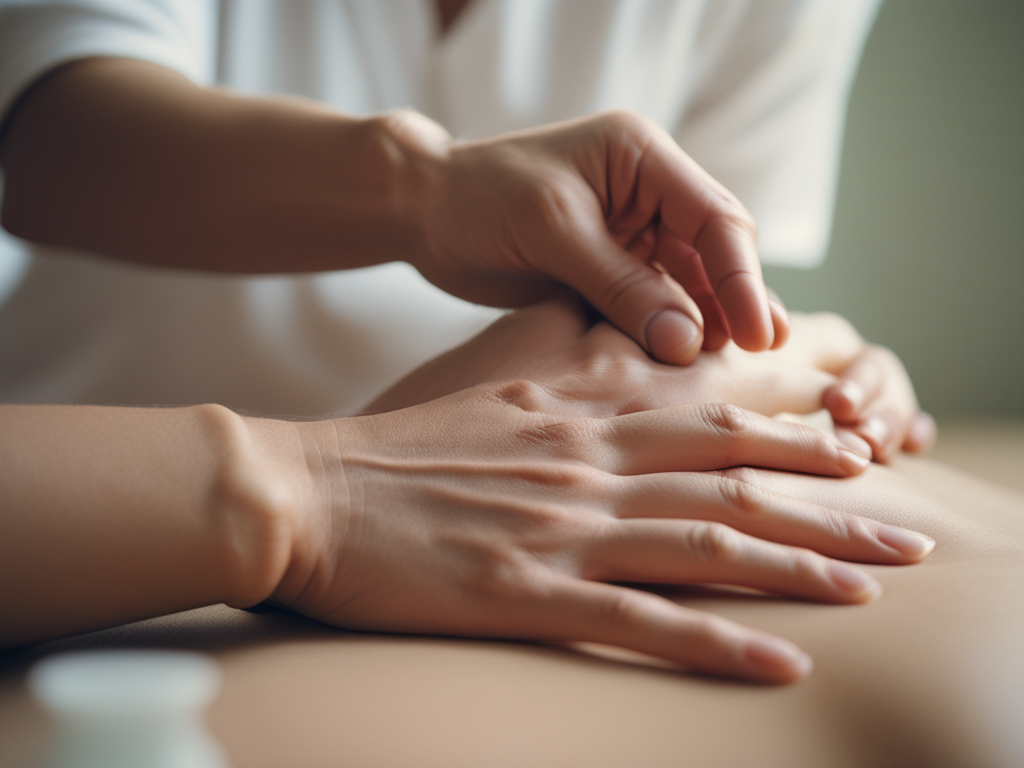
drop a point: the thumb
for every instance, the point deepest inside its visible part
(638, 297)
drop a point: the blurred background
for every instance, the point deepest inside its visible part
(927, 252)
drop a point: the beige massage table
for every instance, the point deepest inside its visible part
(931, 675)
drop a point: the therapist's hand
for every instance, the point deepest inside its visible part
(609, 205)
(128, 159)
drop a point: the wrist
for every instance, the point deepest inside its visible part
(416, 150)
(259, 496)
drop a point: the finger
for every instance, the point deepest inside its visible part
(627, 618)
(683, 263)
(885, 419)
(702, 437)
(699, 211)
(883, 430)
(780, 319)
(921, 435)
(853, 441)
(735, 499)
(647, 175)
(642, 301)
(701, 552)
(859, 384)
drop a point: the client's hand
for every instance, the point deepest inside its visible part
(598, 371)
(503, 510)
(872, 397)
(825, 364)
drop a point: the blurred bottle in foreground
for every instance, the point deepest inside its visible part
(128, 709)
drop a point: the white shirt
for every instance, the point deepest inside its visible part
(754, 90)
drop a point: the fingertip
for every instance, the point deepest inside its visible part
(911, 545)
(853, 584)
(854, 442)
(851, 463)
(673, 337)
(845, 400)
(746, 309)
(878, 433)
(774, 660)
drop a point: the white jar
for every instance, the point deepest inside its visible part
(128, 709)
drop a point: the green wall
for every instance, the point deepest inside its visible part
(927, 254)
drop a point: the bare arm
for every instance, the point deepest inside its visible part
(128, 159)
(501, 510)
(132, 160)
(111, 514)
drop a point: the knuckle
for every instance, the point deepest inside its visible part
(714, 542)
(506, 578)
(626, 120)
(573, 440)
(523, 394)
(742, 495)
(838, 525)
(623, 610)
(805, 565)
(573, 479)
(729, 420)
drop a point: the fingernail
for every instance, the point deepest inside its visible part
(854, 395)
(908, 543)
(852, 463)
(876, 428)
(854, 582)
(673, 337)
(855, 443)
(778, 657)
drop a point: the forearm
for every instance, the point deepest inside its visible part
(114, 514)
(131, 160)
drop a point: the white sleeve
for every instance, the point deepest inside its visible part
(767, 112)
(38, 36)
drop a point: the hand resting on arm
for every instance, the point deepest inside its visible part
(501, 510)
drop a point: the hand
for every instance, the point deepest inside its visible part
(599, 372)
(821, 366)
(501, 510)
(609, 205)
(872, 397)
(875, 399)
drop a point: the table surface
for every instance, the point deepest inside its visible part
(297, 693)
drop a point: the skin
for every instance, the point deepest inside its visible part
(133, 161)
(203, 179)
(503, 509)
